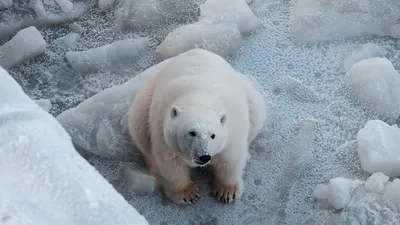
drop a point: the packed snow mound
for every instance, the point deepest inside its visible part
(149, 13)
(378, 148)
(374, 201)
(376, 84)
(99, 124)
(43, 179)
(27, 43)
(220, 37)
(323, 20)
(236, 11)
(115, 55)
(364, 51)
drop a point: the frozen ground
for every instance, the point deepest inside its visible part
(312, 136)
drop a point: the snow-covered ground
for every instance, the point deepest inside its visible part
(329, 152)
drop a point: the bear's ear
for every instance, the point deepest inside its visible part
(223, 118)
(174, 111)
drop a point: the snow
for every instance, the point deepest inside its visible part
(116, 54)
(376, 84)
(378, 148)
(322, 20)
(310, 137)
(220, 37)
(27, 43)
(43, 179)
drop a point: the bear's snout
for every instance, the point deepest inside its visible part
(203, 159)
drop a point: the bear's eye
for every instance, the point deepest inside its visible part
(192, 133)
(212, 136)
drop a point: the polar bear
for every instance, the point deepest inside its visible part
(197, 112)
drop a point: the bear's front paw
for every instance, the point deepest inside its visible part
(188, 195)
(227, 193)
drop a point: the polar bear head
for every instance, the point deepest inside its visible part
(196, 132)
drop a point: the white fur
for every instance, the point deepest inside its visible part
(197, 90)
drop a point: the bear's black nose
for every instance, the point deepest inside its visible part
(205, 158)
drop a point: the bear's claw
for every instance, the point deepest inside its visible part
(225, 193)
(189, 195)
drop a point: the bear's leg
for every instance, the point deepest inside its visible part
(228, 167)
(174, 175)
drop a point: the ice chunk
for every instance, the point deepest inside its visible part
(115, 55)
(340, 192)
(376, 182)
(99, 124)
(27, 43)
(38, 7)
(392, 192)
(374, 201)
(76, 28)
(137, 14)
(319, 20)
(376, 84)
(49, 18)
(222, 38)
(44, 104)
(65, 5)
(378, 148)
(43, 178)
(236, 11)
(4, 4)
(150, 13)
(68, 41)
(364, 51)
(105, 4)
(321, 191)
(337, 192)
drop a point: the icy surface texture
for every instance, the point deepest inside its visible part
(376, 84)
(43, 180)
(373, 201)
(99, 124)
(310, 137)
(220, 37)
(114, 55)
(378, 148)
(27, 43)
(325, 20)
